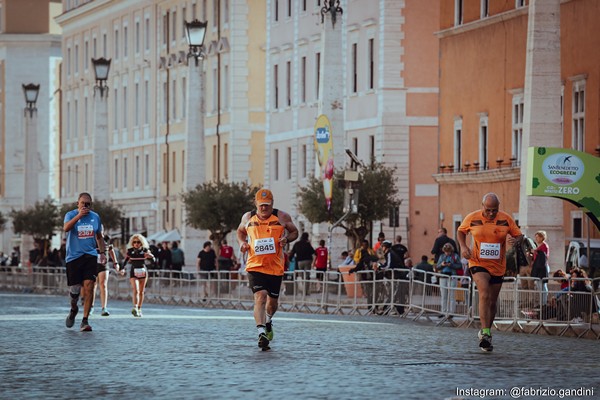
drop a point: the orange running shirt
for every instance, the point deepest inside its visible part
(265, 254)
(489, 237)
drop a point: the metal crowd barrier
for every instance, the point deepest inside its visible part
(524, 304)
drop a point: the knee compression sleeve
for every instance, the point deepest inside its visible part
(74, 291)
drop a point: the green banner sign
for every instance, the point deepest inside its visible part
(565, 174)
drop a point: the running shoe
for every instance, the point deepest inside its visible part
(269, 331)
(105, 312)
(134, 312)
(70, 321)
(85, 327)
(263, 341)
(139, 314)
(485, 342)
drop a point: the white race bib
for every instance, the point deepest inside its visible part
(85, 231)
(264, 246)
(490, 251)
(139, 272)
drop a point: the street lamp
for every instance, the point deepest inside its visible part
(196, 31)
(101, 68)
(31, 93)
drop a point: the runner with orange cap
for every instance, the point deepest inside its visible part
(263, 234)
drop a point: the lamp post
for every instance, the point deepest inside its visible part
(31, 171)
(195, 154)
(101, 69)
(195, 33)
(31, 92)
(100, 172)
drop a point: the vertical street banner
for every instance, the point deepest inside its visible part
(324, 150)
(565, 174)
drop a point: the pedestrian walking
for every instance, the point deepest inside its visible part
(84, 229)
(489, 229)
(263, 234)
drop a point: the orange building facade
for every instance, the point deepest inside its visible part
(482, 79)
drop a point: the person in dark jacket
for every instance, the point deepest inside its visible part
(439, 243)
(304, 253)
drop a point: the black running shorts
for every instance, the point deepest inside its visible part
(494, 279)
(259, 281)
(82, 269)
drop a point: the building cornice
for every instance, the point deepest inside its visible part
(487, 176)
(481, 23)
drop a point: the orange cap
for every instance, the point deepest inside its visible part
(264, 196)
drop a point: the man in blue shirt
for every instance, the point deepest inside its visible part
(84, 232)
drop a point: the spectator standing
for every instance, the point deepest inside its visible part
(166, 257)
(320, 262)
(177, 259)
(15, 257)
(540, 268)
(226, 260)
(439, 243)
(425, 266)
(206, 264)
(346, 258)
(448, 264)
(304, 253)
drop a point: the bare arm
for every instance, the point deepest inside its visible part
(292, 231)
(242, 234)
(462, 241)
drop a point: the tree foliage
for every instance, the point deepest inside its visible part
(39, 221)
(218, 207)
(377, 194)
(3, 221)
(110, 214)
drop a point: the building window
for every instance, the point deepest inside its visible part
(147, 34)
(276, 10)
(147, 169)
(174, 27)
(116, 44)
(86, 177)
(137, 104)
(458, 12)
(165, 102)
(577, 224)
(225, 12)
(76, 117)
(174, 163)
(215, 89)
(215, 17)
(86, 55)
(303, 80)
(289, 8)
(457, 144)
(289, 163)
(226, 160)
(483, 141)
(578, 137)
(215, 162)
(371, 63)
(174, 99)
(520, 3)
(317, 74)
(125, 111)
(116, 109)
(116, 174)
(288, 83)
(137, 171)
(371, 149)
(354, 68)
(304, 158)
(137, 37)
(76, 178)
(225, 83)
(125, 172)
(76, 61)
(125, 40)
(165, 21)
(183, 166)
(69, 179)
(517, 126)
(69, 62)
(86, 117)
(275, 86)
(146, 102)
(303, 5)
(183, 96)
(485, 9)
(276, 164)
(183, 20)
(165, 166)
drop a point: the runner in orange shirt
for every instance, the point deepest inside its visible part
(489, 229)
(263, 234)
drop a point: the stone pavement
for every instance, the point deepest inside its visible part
(192, 353)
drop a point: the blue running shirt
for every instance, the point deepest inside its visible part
(82, 238)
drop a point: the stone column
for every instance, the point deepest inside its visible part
(541, 121)
(100, 163)
(195, 155)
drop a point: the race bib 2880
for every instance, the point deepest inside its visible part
(490, 251)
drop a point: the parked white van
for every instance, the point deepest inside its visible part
(575, 256)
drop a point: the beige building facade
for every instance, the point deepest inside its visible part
(149, 102)
(389, 81)
(30, 53)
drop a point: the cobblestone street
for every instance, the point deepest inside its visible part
(193, 353)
